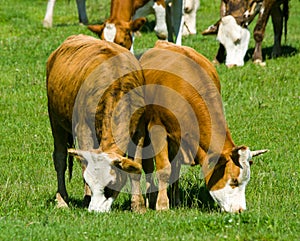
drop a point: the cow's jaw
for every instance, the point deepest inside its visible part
(230, 199)
(110, 32)
(98, 175)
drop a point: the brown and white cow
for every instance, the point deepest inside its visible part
(186, 124)
(244, 12)
(93, 99)
(48, 19)
(120, 26)
(122, 23)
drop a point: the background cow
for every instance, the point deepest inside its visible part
(91, 98)
(122, 23)
(186, 124)
(244, 12)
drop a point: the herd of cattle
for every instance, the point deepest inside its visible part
(128, 116)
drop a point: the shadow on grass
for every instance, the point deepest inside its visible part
(287, 51)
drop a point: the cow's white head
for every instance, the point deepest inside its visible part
(235, 40)
(104, 170)
(228, 180)
(119, 32)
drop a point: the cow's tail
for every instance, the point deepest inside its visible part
(71, 144)
(286, 16)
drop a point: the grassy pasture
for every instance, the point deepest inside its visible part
(262, 109)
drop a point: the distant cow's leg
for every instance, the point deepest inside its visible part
(259, 32)
(82, 12)
(49, 14)
(60, 137)
(277, 20)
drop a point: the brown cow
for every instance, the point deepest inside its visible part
(186, 123)
(244, 12)
(119, 27)
(91, 87)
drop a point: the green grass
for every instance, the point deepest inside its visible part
(262, 109)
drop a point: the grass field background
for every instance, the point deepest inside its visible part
(262, 109)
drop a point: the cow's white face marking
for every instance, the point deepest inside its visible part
(232, 198)
(160, 26)
(110, 32)
(235, 40)
(98, 175)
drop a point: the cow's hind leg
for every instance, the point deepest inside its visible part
(159, 142)
(277, 20)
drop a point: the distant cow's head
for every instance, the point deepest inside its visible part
(119, 32)
(229, 177)
(104, 170)
(232, 30)
(235, 39)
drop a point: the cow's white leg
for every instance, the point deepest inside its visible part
(160, 28)
(47, 23)
(163, 172)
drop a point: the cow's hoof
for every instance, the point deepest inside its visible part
(230, 66)
(138, 209)
(47, 24)
(215, 62)
(60, 201)
(138, 204)
(259, 62)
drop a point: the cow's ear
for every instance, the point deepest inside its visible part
(82, 155)
(97, 29)
(127, 165)
(136, 24)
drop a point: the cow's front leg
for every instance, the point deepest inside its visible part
(259, 32)
(163, 172)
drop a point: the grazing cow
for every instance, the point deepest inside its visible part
(244, 12)
(119, 27)
(190, 10)
(121, 24)
(92, 99)
(48, 19)
(186, 124)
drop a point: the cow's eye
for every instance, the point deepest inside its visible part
(234, 183)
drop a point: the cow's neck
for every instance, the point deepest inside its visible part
(208, 160)
(121, 10)
(204, 152)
